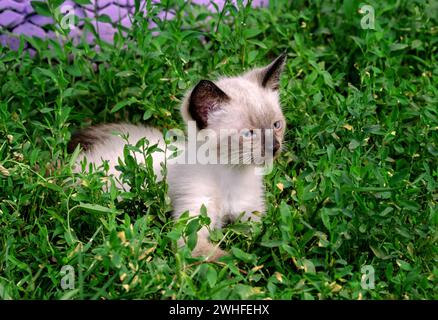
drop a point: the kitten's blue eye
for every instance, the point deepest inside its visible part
(247, 133)
(277, 125)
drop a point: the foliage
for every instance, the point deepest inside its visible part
(356, 186)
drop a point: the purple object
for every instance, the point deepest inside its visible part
(9, 18)
(13, 5)
(40, 20)
(30, 29)
(18, 17)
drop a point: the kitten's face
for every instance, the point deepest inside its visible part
(243, 111)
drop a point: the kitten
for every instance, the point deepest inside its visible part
(248, 105)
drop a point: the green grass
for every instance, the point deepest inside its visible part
(357, 185)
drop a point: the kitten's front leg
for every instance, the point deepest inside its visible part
(203, 246)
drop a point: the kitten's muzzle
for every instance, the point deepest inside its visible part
(276, 146)
(273, 147)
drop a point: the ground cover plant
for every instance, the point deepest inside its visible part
(356, 186)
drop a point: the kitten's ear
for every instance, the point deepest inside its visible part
(205, 98)
(269, 76)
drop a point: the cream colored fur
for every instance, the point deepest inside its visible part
(225, 190)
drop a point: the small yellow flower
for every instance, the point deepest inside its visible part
(4, 171)
(18, 156)
(278, 276)
(122, 236)
(257, 268)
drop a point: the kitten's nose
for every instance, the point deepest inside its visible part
(276, 146)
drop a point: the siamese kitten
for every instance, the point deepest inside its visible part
(242, 109)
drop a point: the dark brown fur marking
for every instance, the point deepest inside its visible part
(272, 74)
(85, 138)
(205, 98)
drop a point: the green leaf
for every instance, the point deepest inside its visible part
(41, 7)
(404, 265)
(246, 257)
(82, 1)
(122, 104)
(203, 210)
(398, 46)
(251, 33)
(271, 243)
(258, 43)
(192, 239)
(104, 18)
(252, 56)
(211, 276)
(285, 211)
(116, 260)
(379, 253)
(69, 295)
(325, 219)
(409, 205)
(174, 235)
(125, 73)
(192, 226)
(48, 73)
(416, 44)
(147, 114)
(53, 187)
(308, 266)
(308, 296)
(74, 70)
(4, 293)
(240, 228)
(328, 79)
(96, 208)
(353, 144)
(46, 110)
(57, 3)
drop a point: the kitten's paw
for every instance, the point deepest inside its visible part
(208, 250)
(205, 248)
